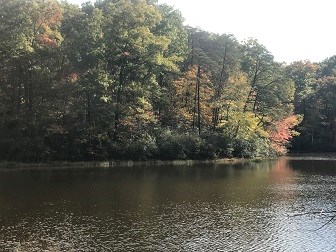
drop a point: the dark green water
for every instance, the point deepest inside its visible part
(170, 208)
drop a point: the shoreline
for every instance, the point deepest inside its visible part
(5, 165)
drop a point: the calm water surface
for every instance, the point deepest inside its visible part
(249, 207)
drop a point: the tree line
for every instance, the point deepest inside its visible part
(125, 79)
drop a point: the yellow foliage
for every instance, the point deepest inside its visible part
(185, 100)
(140, 115)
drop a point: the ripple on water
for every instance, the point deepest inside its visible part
(176, 228)
(228, 218)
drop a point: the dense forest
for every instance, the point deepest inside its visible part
(125, 79)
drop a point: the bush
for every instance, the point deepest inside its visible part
(140, 147)
(170, 146)
(216, 145)
(175, 145)
(29, 150)
(252, 148)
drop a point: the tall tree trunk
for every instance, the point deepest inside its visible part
(198, 99)
(253, 84)
(161, 81)
(118, 100)
(223, 78)
(195, 106)
(249, 97)
(88, 108)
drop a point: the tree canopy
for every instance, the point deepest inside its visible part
(125, 79)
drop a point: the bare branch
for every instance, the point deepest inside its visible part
(323, 213)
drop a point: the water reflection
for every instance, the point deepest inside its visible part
(244, 207)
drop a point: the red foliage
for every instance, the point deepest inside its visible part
(46, 40)
(283, 132)
(47, 22)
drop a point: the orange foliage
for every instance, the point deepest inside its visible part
(185, 92)
(46, 40)
(140, 116)
(47, 20)
(283, 132)
(73, 77)
(70, 77)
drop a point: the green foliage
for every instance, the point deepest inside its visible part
(25, 149)
(140, 147)
(125, 79)
(216, 145)
(315, 100)
(173, 145)
(253, 148)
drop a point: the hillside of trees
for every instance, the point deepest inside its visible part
(125, 79)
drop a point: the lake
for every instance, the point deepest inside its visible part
(261, 206)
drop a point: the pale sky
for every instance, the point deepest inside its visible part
(291, 29)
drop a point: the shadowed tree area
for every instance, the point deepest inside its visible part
(315, 100)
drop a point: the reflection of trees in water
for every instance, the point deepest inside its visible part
(318, 164)
(318, 167)
(282, 177)
(282, 171)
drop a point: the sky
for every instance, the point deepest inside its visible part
(290, 29)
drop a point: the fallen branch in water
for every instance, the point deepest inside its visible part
(331, 219)
(325, 214)
(315, 213)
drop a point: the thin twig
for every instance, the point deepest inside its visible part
(331, 219)
(314, 213)
(321, 212)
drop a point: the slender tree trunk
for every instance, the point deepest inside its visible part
(249, 97)
(62, 67)
(195, 106)
(88, 108)
(30, 93)
(253, 84)
(161, 80)
(18, 98)
(118, 100)
(192, 52)
(215, 116)
(222, 80)
(255, 104)
(237, 130)
(198, 99)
